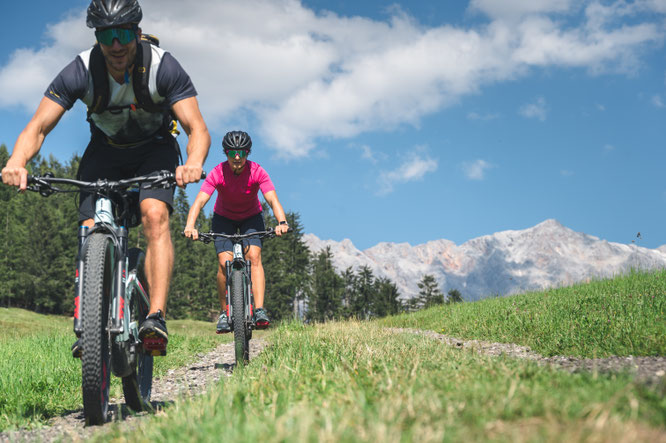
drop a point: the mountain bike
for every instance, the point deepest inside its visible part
(240, 300)
(111, 296)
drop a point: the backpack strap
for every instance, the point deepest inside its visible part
(97, 68)
(141, 77)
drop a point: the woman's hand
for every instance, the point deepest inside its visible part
(191, 232)
(281, 229)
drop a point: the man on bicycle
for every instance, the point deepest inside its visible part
(237, 208)
(130, 119)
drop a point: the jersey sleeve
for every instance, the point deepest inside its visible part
(265, 183)
(69, 85)
(173, 83)
(210, 183)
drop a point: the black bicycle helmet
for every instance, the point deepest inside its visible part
(237, 140)
(105, 13)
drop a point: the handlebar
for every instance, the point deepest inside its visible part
(207, 237)
(44, 184)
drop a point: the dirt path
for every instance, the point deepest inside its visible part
(193, 379)
(648, 370)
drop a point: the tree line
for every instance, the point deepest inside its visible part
(38, 246)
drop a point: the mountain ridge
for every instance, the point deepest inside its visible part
(546, 255)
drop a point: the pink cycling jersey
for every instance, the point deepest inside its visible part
(237, 194)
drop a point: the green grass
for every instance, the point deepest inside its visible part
(352, 381)
(39, 378)
(359, 382)
(621, 316)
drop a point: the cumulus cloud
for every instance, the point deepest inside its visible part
(536, 110)
(408, 171)
(513, 9)
(476, 170)
(297, 76)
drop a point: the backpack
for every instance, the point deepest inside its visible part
(140, 78)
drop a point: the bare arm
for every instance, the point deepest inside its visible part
(198, 140)
(272, 199)
(195, 209)
(30, 141)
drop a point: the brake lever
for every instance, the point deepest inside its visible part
(38, 185)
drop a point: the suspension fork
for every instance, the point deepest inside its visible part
(78, 287)
(120, 283)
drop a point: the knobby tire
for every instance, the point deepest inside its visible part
(241, 334)
(138, 385)
(95, 361)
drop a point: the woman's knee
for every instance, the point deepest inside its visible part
(254, 255)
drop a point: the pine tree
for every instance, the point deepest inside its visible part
(387, 298)
(193, 291)
(285, 260)
(429, 293)
(364, 292)
(454, 296)
(326, 288)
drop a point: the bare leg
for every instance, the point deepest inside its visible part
(159, 252)
(222, 278)
(258, 278)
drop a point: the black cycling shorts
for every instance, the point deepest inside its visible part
(103, 161)
(224, 225)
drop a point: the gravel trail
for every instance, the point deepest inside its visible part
(189, 380)
(648, 370)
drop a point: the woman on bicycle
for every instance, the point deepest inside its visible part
(237, 208)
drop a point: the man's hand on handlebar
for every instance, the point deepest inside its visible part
(15, 176)
(186, 174)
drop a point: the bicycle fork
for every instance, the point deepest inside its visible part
(247, 292)
(119, 307)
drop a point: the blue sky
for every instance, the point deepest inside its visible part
(405, 122)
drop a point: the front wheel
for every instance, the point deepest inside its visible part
(241, 333)
(95, 361)
(137, 386)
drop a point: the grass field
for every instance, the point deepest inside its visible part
(358, 381)
(40, 379)
(621, 316)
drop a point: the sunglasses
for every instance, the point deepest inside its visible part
(124, 36)
(239, 152)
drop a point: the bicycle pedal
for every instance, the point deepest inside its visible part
(155, 346)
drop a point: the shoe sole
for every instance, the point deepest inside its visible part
(263, 324)
(155, 344)
(220, 331)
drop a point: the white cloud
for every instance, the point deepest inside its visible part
(566, 173)
(511, 9)
(409, 171)
(536, 110)
(367, 153)
(609, 148)
(298, 76)
(658, 101)
(476, 170)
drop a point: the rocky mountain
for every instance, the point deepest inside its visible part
(508, 262)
